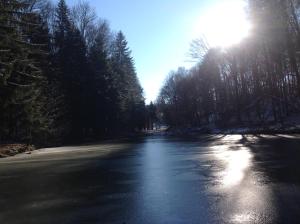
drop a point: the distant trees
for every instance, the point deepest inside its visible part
(255, 82)
(151, 116)
(64, 75)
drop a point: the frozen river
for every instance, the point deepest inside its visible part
(157, 179)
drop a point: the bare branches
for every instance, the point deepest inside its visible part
(254, 82)
(19, 85)
(83, 16)
(29, 75)
(198, 49)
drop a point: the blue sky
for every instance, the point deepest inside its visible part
(159, 33)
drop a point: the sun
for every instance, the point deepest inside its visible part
(224, 24)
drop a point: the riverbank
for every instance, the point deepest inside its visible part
(7, 150)
(268, 129)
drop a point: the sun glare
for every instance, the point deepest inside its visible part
(235, 160)
(224, 24)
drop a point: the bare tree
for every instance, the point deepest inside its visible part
(198, 49)
(84, 17)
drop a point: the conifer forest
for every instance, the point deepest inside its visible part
(64, 75)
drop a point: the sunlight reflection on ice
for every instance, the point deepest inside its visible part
(232, 138)
(236, 162)
(242, 218)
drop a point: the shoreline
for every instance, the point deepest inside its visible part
(259, 130)
(9, 150)
(13, 149)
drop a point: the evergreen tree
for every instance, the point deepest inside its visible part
(103, 91)
(53, 87)
(130, 98)
(71, 61)
(21, 102)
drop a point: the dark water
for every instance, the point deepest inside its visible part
(213, 179)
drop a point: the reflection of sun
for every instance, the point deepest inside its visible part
(224, 24)
(243, 218)
(236, 162)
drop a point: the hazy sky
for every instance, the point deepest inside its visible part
(159, 33)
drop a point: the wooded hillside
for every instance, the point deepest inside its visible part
(255, 82)
(64, 75)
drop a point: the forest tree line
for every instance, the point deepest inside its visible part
(64, 75)
(256, 82)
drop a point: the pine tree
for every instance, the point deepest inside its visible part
(52, 88)
(103, 91)
(71, 60)
(130, 98)
(20, 74)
